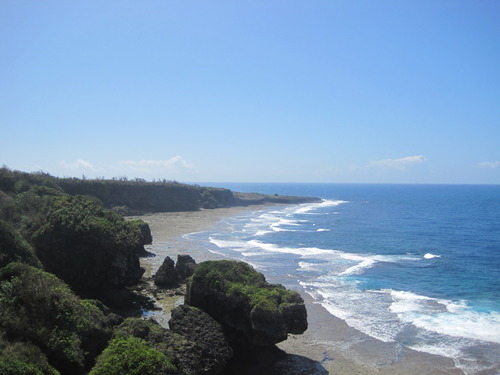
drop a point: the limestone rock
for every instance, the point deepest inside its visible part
(189, 354)
(251, 311)
(185, 266)
(166, 276)
(198, 326)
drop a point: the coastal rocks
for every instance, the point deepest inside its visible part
(190, 354)
(167, 275)
(90, 248)
(198, 326)
(251, 311)
(170, 274)
(185, 266)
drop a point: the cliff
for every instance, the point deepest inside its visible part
(139, 196)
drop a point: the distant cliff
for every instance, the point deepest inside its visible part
(138, 196)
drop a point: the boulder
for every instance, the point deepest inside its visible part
(251, 311)
(196, 325)
(166, 276)
(189, 354)
(185, 266)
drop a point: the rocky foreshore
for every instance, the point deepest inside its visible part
(230, 320)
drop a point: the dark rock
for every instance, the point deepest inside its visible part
(251, 311)
(146, 233)
(185, 266)
(189, 356)
(198, 326)
(166, 276)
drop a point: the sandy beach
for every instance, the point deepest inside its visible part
(329, 346)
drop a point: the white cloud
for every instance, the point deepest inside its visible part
(78, 164)
(400, 163)
(490, 164)
(174, 163)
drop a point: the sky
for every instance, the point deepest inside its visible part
(363, 91)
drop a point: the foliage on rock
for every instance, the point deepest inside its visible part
(188, 354)
(247, 306)
(87, 246)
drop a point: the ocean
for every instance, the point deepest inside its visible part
(417, 265)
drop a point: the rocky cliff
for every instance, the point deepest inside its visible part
(252, 311)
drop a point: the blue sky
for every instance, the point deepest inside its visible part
(402, 91)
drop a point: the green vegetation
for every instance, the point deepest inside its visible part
(239, 281)
(14, 248)
(39, 308)
(23, 358)
(58, 237)
(132, 356)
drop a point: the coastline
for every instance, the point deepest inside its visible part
(329, 346)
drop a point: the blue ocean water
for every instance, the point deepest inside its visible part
(418, 265)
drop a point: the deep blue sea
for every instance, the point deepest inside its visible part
(414, 264)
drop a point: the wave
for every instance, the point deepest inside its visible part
(446, 317)
(306, 207)
(302, 251)
(431, 256)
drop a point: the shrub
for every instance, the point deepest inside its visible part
(39, 308)
(132, 356)
(14, 248)
(241, 281)
(87, 246)
(23, 358)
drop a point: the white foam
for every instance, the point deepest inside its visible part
(359, 268)
(240, 245)
(446, 317)
(303, 251)
(431, 256)
(306, 207)
(323, 230)
(306, 266)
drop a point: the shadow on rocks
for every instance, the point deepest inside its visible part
(273, 361)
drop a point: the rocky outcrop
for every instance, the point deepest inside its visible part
(90, 248)
(166, 276)
(189, 354)
(196, 325)
(185, 266)
(251, 311)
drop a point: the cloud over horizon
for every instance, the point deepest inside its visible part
(78, 164)
(173, 162)
(490, 164)
(399, 163)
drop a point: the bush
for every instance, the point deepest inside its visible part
(39, 308)
(132, 356)
(14, 248)
(23, 358)
(87, 246)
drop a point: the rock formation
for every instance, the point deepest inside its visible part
(90, 248)
(196, 325)
(191, 355)
(251, 311)
(185, 266)
(166, 276)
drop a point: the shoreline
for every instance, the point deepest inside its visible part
(329, 342)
